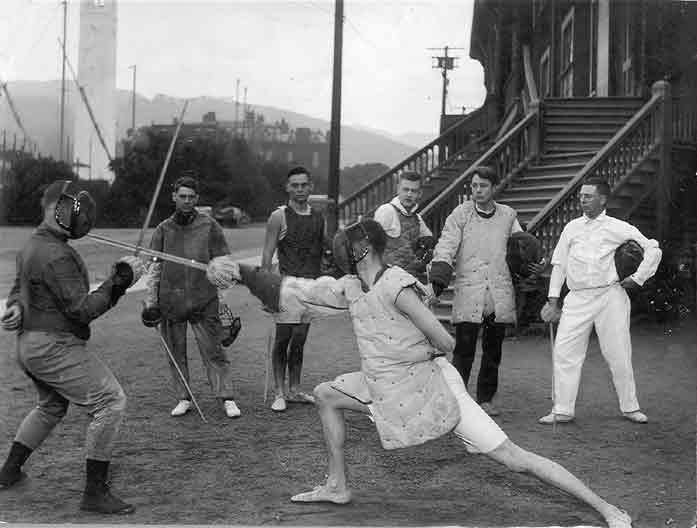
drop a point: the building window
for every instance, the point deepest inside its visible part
(567, 55)
(315, 160)
(98, 3)
(593, 59)
(269, 155)
(290, 156)
(545, 81)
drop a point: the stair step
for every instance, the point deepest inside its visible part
(594, 102)
(599, 120)
(534, 189)
(554, 166)
(564, 148)
(575, 137)
(581, 132)
(526, 203)
(588, 113)
(583, 155)
(549, 180)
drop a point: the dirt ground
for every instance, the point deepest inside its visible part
(244, 471)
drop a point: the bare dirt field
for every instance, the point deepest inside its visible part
(244, 471)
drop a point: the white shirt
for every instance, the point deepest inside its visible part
(388, 218)
(584, 255)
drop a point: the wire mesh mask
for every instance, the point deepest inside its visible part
(345, 255)
(76, 211)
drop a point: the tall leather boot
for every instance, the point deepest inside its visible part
(11, 472)
(97, 496)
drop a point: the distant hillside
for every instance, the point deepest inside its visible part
(38, 105)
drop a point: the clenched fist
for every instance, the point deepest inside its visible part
(12, 318)
(223, 271)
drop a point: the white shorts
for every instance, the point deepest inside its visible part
(476, 429)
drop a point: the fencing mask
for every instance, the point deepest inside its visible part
(628, 256)
(352, 243)
(523, 249)
(76, 211)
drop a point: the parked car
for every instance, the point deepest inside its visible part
(230, 216)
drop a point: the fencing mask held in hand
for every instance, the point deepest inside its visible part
(628, 256)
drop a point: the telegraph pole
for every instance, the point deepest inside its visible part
(62, 109)
(133, 101)
(444, 62)
(237, 107)
(335, 127)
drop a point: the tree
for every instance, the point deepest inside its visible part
(228, 172)
(356, 176)
(28, 177)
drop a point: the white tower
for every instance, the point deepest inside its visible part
(97, 75)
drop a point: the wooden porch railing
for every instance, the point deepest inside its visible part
(508, 156)
(629, 147)
(453, 142)
(685, 119)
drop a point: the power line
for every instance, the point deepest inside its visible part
(346, 19)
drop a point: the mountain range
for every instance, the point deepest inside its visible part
(37, 103)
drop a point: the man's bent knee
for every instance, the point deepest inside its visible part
(323, 392)
(113, 404)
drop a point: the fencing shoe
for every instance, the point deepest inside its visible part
(231, 409)
(279, 404)
(636, 417)
(553, 418)
(183, 407)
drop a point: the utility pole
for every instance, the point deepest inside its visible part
(335, 127)
(62, 110)
(133, 102)
(237, 107)
(444, 62)
(244, 115)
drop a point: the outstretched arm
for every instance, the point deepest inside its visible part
(307, 297)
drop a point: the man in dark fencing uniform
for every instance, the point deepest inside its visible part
(50, 306)
(179, 296)
(296, 231)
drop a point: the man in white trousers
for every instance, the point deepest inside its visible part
(584, 258)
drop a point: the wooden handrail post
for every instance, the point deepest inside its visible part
(536, 130)
(664, 137)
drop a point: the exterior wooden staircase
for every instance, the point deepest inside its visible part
(439, 162)
(574, 131)
(543, 160)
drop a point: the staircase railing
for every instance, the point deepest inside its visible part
(685, 119)
(614, 162)
(508, 156)
(455, 140)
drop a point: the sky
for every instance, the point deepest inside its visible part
(281, 51)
